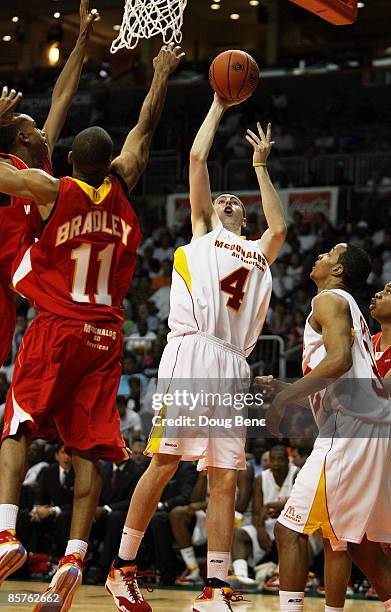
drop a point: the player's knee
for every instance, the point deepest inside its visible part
(285, 536)
(164, 466)
(241, 536)
(223, 482)
(177, 514)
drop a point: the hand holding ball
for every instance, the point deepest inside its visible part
(234, 75)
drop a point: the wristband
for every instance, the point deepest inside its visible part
(259, 165)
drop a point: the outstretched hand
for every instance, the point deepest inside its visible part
(168, 58)
(226, 103)
(8, 103)
(87, 18)
(261, 144)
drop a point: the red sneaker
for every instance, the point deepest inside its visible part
(68, 577)
(371, 593)
(122, 585)
(12, 554)
(216, 597)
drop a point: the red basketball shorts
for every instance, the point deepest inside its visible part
(7, 321)
(67, 374)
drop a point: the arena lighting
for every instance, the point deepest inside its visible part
(116, 27)
(57, 15)
(15, 19)
(214, 6)
(360, 4)
(7, 38)
(53, 55)
(254, 2)
(234, 16)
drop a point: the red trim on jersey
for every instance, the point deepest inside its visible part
(383, 362)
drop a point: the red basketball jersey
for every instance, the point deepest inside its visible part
(19, 221)
(383, 359)
(83, 264)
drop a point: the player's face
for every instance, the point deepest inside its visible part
(380, 306)
(229, 209)
(36, 137)
(326, 262)
(278, 462)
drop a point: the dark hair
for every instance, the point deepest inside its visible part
(303, 451)
(356, 266)
(280, 448)
(92, 149)
(8, 136)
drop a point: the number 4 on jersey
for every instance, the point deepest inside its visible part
(234, 284)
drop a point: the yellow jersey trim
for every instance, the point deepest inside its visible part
(181, 266)
(319, 513)
(96, 195)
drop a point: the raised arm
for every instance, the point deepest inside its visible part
(133, 159)
(273, 238)
(68, 81)
(31, 184)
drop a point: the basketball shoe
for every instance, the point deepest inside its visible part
(190, 577)
(216, 597)
(122, 585)
(12, 554)
(66, 580)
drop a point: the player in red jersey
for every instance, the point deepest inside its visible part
(68, 366)
(23, 145)
(381, 311)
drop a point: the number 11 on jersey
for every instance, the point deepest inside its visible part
(83, 265)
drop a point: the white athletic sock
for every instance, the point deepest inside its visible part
(240, 568)
(218, 564)
(387, 605)
(291, 601)
(331, 609)
(8, 516)
(188, 555)
(77, 546)
(130, 543)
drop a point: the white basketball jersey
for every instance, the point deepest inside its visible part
(221, 285)
(272, 492)
(360, 391)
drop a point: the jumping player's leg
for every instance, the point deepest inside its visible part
(293, 567)
(219, 524)
(13, 467)
(372, 561)
(337, 570)
(88, 486)
(144, 503)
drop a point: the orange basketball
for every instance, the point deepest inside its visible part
(234, 75)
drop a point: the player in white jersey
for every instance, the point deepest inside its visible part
(220, 294)
(344, 485)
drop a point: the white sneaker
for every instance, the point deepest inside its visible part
(122, 585)
(12, 554)
(216, 597)
(65, 582)
(190, 577)
(243, 580)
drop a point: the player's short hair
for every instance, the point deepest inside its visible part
(356, 266)
(8, 135)
(92, 149)
(280, 448)
(303, 451)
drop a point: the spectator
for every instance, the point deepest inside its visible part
(49, 520)
(141, 340)
(165, 250)
(300, 455)
(254, 542)
(163, 279)
(130, 421)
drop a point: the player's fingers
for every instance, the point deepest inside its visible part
(181, 55)
(93, 15)
(269, 132)
(251, 141)
(261, 132)
(254, 136)
(4, 93)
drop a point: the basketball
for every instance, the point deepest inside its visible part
(234, 75)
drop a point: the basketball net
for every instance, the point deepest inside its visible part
(147, 18)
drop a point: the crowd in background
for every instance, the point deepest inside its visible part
(48, 488)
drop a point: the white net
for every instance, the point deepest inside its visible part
(147, 18)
